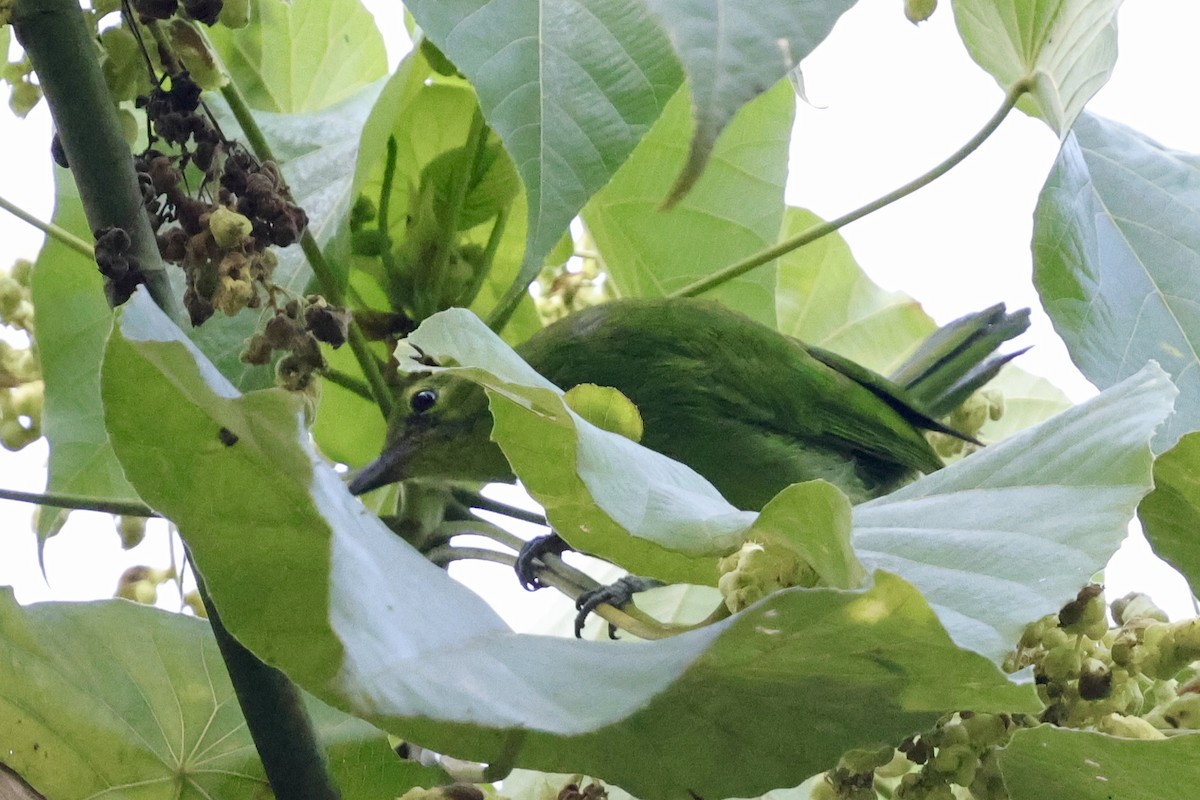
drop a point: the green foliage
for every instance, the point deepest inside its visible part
(73, 320)
(1116, 272)
(114, 697)
(733, 212)
(1064, 49)
(1171, 513)
(756, 51)
(570, 87)
(302, 56)
(449, 184)
(1093, 766)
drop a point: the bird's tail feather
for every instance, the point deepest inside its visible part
(959, 358)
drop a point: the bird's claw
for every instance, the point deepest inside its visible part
(529, 559)
(617, 594)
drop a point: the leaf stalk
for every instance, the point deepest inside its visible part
(820, 230)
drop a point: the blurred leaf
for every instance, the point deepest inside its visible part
(976, 537)
(1067, 48)
(1116, 247)
(429, 118)
(1171, 513)
(73, 319)
(1082, 765)
(424, 658)
(824, 298)
(733, 212)
(732, 53)
(570, 86)
(300, 56)
(130, 699)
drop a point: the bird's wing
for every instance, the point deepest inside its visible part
(840, 409)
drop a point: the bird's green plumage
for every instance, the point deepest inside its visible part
(749, 408)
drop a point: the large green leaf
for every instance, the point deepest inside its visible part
(1011, 533)
(125, 700)
(1170, 514)
(1082, 765)
(364, 622)
(570, 86)
(313, 151)
(300, 56)
(1065, 48)
(73, 319)
(734, 211)
(732, 53)
(1116, 246)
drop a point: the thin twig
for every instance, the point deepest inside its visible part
(62, 235)
(825, 228)
(75, 502)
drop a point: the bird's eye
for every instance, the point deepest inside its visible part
(423, 400)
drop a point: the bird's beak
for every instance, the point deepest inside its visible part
(380, 472)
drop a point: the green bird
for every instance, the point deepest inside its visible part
(749, 408)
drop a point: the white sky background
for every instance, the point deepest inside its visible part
(891, 100)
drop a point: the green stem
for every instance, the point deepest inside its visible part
(452, 212)
(489, 255)
(276, 717)
(129, 508)
(62, 50)
(383, 225)
(499, 316)
(347, 382)
(385, 192)
(63, 235)
(825, 228)
(331, 287)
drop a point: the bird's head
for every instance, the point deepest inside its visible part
(441, 428)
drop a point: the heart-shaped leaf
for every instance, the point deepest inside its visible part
(1064, 49)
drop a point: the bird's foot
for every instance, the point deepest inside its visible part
(616, 594)
(529, 559)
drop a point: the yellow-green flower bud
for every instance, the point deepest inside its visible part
(235, 14)
(755, 571)
(11, 295)
(228, 227)
(132, 531)
(919, 10)
(1181, 713)
(1136, 605)
(1128, 727)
